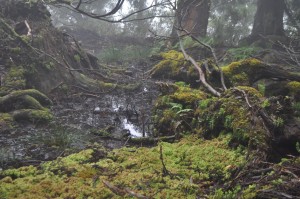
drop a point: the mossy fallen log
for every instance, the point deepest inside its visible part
(30, 98)
(248, 71)
(25, 105)
(35, 116)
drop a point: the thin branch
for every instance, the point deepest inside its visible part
(201, 73)
(103, 17)
(214, 56)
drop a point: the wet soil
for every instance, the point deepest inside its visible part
(81, 122)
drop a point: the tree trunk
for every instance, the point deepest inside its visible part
(192, 15)
(268, 18)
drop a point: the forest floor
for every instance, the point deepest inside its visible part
(85, 138)
(84, 119)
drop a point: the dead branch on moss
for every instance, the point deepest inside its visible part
(165, 171)
(262, 173)
(245, 96)
(200, 71)
(137, 195)
(214, 56)
(114, 189)
(121, 192)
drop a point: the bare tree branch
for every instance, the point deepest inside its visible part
(104, 17)
(201, 73)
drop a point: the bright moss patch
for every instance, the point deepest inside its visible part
(242, 72)
(192, 163)
(294, 89)
(173, 112)
(174, 66)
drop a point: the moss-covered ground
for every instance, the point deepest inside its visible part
(193, 164)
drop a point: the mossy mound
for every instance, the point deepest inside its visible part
(251, 120)
(231, 114)
(243, 73)
(193, 165)
(173, 112)
(174, 66)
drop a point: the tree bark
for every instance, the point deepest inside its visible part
(192, 15)
(268, 18)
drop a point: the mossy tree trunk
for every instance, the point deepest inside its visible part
(268, 18)
(192, 16)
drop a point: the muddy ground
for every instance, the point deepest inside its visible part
(83, 121)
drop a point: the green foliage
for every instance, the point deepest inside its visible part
(265, 103)
(261, 88)
(221, 194)
(296, 106)
(174, 108)
(278, 122)
(77, 58)
(203, 104)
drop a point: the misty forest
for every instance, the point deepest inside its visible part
(149, 99)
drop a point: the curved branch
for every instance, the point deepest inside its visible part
(103, 17)
(201, 73)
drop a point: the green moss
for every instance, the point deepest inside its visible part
(250, 91)
(174, 108)
(77, 58)
(135, 169)
(294, 87)
(174, 66)
(14, 79)
(35, 116)
(242, 72)
(231, 114)
(187, 95)
(6, 122)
